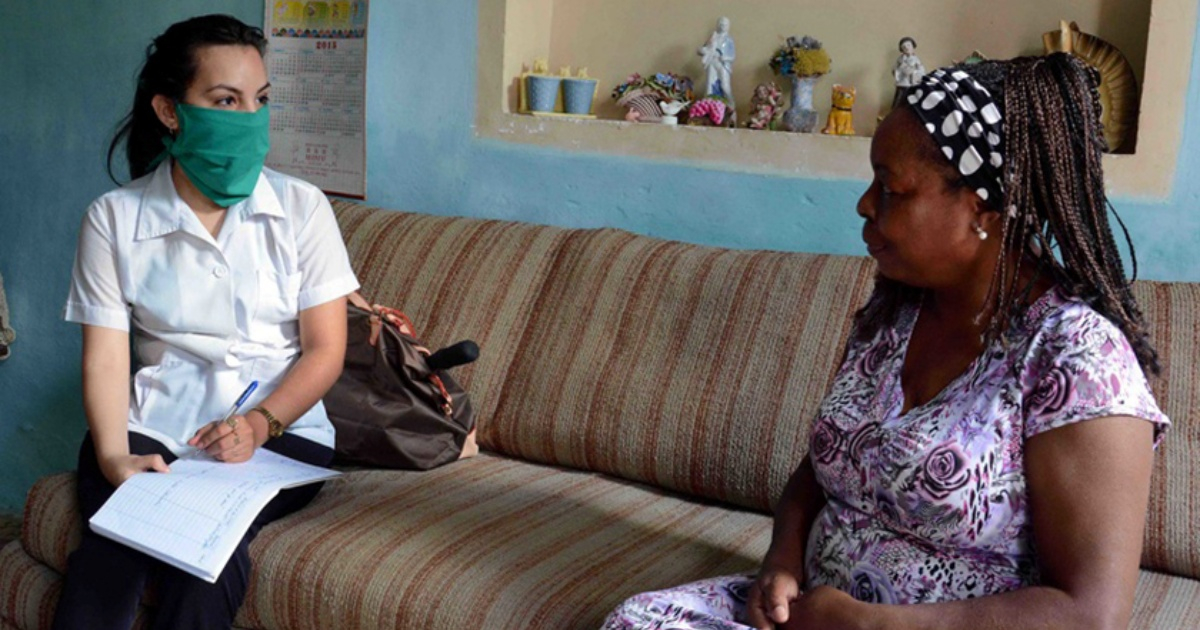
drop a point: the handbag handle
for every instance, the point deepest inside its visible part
(401, 321)
(395, 316)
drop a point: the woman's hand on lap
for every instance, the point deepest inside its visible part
(827, 608)
(118, 468)
(771, 597)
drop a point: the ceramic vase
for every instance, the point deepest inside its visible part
(801, 117)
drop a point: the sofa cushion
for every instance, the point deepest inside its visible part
(30, 589)
(1172, 311)
(456, 279)
(52, 525)
(488, 542)
(1165, 601)
(686, 367)
(30, 592)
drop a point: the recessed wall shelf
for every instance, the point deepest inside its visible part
(514, 32)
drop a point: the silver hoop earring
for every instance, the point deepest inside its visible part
(979, 231)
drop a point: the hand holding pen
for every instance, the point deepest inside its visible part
(230, 439)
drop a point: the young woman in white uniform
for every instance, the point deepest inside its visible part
(221, 272)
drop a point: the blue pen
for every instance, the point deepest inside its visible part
(238, 405)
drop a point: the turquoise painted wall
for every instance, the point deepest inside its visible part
(68, 73)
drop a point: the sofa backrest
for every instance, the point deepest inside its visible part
(1172, 312)
(456, 279)
(691, 368)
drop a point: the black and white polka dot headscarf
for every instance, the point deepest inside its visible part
(965, 123)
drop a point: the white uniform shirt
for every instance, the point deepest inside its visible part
(208, 316)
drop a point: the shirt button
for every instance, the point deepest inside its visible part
(219, 271)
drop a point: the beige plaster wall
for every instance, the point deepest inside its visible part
(616, 37)
(527, 29)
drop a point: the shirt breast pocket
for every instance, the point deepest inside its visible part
(278, 297)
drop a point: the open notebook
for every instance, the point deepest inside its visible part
(194, 516)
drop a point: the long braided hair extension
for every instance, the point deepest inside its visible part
(1054, 202)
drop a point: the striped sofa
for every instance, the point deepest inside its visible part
(641, 403)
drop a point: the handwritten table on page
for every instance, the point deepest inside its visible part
(194, 516)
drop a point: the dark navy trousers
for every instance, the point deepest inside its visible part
(105, 579)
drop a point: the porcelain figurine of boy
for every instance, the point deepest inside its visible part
(908, 70)
(717, 56)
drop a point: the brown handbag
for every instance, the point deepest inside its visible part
(389, 407)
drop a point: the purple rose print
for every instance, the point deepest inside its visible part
(885, 507)
(1052, 394)
(873, 359)
(826, 441)
(869, 584)
(944, 471)
(739, 590)
(865, 438)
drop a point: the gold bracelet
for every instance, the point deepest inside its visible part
(274, 426)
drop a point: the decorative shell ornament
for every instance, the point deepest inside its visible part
(1118, 85)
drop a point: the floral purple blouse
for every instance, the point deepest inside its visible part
(930, 505)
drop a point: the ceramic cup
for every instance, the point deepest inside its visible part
(543, 92)
(577, 95)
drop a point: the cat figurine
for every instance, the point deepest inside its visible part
(841, 119)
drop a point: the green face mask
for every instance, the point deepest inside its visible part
(221, 151)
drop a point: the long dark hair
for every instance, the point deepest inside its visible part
(169, 69)
(1054, 201)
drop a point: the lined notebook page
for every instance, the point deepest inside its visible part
(194, 516)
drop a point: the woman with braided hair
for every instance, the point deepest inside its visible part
(983, 457)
